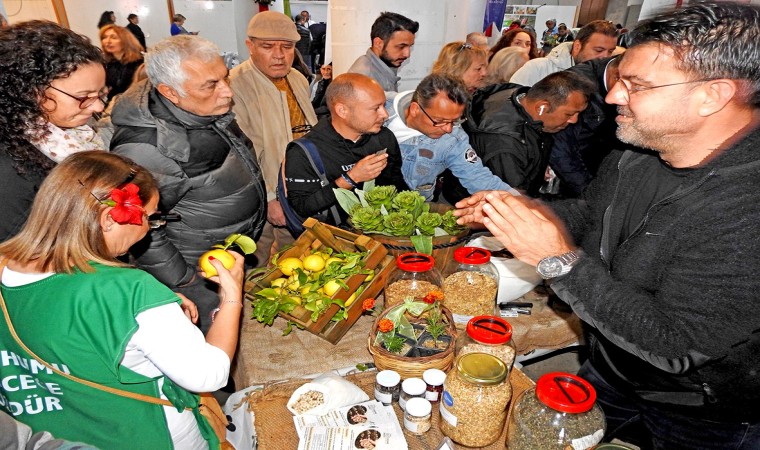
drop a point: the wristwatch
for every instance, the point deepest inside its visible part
(555, 266)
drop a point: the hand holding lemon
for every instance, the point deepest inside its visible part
(246, 244)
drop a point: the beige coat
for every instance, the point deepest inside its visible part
(261, 111)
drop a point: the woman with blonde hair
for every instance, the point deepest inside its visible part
(465, 62)
(75, 306)
(504, 64)
(123, 55)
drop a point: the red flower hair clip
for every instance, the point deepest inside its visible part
(127, 205)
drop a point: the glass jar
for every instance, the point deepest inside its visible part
(558, 413)
(417, 416)
(488, 334)
(387, 386)
(434, 379)
(471, 288)
(475, 398)
(411, 388)
(415, 276)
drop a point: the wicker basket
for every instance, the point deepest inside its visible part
(412, 367)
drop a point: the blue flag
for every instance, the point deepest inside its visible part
(494, 15)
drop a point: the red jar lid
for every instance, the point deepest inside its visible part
(415, 262)
(472, 255)
(565, 392)
(490, 330)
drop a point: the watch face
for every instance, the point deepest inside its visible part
(550, 267)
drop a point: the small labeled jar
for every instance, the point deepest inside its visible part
(387, 386)
(411, 388)
(471, 288)
(434, 379)
(488, 334)
(475, 398)
(558, 413)
(415, 277)
(417, 415)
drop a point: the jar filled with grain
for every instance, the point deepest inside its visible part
(470, 290)
(415, 277)
(475, 398)
(488, 334)
(559, 412)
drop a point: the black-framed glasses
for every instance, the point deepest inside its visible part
(159, 219)
(443, 123)
(301, 129)
(636, 89)
(85, 102)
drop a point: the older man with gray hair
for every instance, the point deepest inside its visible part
(178, 124)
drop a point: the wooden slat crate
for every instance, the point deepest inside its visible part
(318, 235)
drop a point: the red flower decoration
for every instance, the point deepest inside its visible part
(127, 205)
(385, 325)
(432, 297)
(368, 304)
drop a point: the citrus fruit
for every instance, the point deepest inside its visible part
(289, 265)
(331, 287)
(332, 260)
(350, 300)
(223, 256)
(279, 282)
(313, 263)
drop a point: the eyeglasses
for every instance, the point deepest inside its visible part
(636, 89)
(159, 219)
(443, 123)
(464, 46)
(85, 102)
(300, 129)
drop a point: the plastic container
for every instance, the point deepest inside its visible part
(387, 386)
(488, 334)
(415, 276)
(434, 379)
(472, 286)
(559, 412)
(475, 398)
(417, 415)
(411, 388)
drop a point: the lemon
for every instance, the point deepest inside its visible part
(294, 299)
(305, 290)
(323, 255)
(332, 260)
(223, 256)
(279, 282)
(313, 263)
(370, 277)
(277, 290)
(289, 265)
(293, 284)
(331, 287)
(350, 300)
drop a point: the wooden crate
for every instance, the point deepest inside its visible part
(318, 235)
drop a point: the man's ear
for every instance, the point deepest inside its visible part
(377, 45)
(716, 95)
(576, 48)
(249, 44)
(168, 92)
(342, 110)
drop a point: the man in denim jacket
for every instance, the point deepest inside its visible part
(426, 124)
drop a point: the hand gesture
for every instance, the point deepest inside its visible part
(368, 168)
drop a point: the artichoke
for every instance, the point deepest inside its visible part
(427, 223)
(450, 224)
(399, 223)
(367, 219)
(380, 195)
(409, 201)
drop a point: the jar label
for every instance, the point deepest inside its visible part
(448, 399)
(418, 426)
(431, 396)
(458, 318)
(446, 414)
(385, 398)
(402, 403)
(589, 441)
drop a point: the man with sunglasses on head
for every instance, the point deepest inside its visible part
(273, 107)
(665, 269)
(426, 123)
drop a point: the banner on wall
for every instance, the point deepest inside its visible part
(494, 16)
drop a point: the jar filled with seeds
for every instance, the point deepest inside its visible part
(415, 277)
(488, 334)
(417, 415)
(559, 412)
(475, 398)
(470, 290)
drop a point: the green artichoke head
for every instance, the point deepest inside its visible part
(427, 223)
(367, 219)
(380, 195)
(450, 225)
(409, 201)
(399, 223)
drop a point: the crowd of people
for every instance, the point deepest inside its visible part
(120, 165)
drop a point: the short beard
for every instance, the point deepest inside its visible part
(384, 58)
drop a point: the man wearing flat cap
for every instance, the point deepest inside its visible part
(273, 107)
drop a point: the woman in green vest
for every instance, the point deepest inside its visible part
(74, 305)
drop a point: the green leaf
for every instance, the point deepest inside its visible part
(346, 199)
(342, 284)
(302, 277)
(368, 185)
(383, 210)
(245, 243)
(440, 232)
(360, 193)
(423, 244)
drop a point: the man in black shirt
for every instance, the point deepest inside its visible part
(136, 30)
(353, 144)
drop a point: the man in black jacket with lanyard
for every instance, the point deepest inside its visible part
(353, 145)
(665, 272)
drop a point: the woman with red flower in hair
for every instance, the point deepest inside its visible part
(74, 305)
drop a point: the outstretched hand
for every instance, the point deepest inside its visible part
(470, 209)
(230, 281)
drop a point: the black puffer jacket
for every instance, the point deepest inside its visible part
(206, 170)
(673, 307)
(506, 138)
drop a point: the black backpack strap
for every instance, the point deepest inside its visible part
(316, 163)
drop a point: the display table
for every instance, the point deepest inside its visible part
(274, 423)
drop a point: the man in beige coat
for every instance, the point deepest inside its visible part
(272, 107)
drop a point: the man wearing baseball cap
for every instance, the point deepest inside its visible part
(273, 107)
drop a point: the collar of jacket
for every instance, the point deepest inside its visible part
(517, 96)
(381, 66)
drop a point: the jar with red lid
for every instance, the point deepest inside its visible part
(488, 334)
(559, 412)
(471, 287)
(415, 277)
